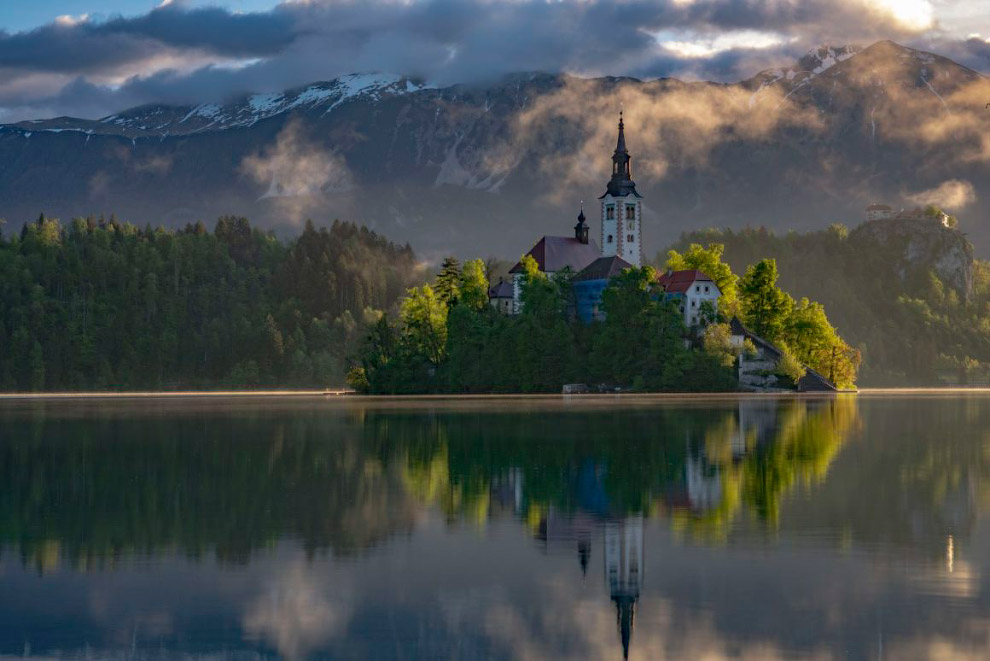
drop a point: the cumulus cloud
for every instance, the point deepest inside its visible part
(952, 194)
(176, 53)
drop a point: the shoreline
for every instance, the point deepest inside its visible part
(350, 394)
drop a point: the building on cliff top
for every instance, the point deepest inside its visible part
(886, 212)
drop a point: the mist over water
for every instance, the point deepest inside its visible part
(496, 527)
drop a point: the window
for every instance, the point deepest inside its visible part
(630, 238)
(706, 289)
(630, 212)
(609, 212)
(609, 239)
(697, 289)
(694, 303)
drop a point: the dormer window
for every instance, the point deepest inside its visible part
(609, 212)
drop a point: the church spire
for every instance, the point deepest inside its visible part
(620, 146)
(621, 183)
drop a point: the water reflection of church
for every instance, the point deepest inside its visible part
(594, 517)
(621, 536)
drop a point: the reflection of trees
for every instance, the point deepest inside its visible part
(757, 456)
(697, 465)
(922, 475)
(93, 490)
(463, 457)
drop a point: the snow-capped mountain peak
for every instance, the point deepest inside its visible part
(819, 59)
(162, 120)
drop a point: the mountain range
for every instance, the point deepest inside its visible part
(485, 168)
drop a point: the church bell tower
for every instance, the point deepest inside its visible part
(622, 208)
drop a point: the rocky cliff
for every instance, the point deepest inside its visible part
(922, 245)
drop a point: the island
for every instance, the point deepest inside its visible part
(579, 315)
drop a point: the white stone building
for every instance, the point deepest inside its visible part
(692, 289)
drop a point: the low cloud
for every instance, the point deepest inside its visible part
(296, 173)
(952, 195)
(671, 125)
(931, 107)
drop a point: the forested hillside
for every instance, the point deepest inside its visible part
(101, 304)
(907, 294)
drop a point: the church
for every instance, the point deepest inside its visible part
(619, 247)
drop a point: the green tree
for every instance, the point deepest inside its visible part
(765, 308)
(808, 331)
(816, 343)
(37, 367)
(788, 366)
(424, 324)
(448, 281)
(473, 286)
(627, 302)
(544, 353)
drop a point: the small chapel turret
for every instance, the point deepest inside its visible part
(581, 229)
(622, 207)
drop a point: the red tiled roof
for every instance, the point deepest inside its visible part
(552, 253)
(678, 282)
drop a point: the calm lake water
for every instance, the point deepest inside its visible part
(850, 527)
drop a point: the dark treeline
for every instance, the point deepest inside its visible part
(101, 304)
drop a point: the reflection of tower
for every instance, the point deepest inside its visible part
(506, 490)
(584, 553)
(704, 484)
(624, 570)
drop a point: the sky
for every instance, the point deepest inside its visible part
(91, 58)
